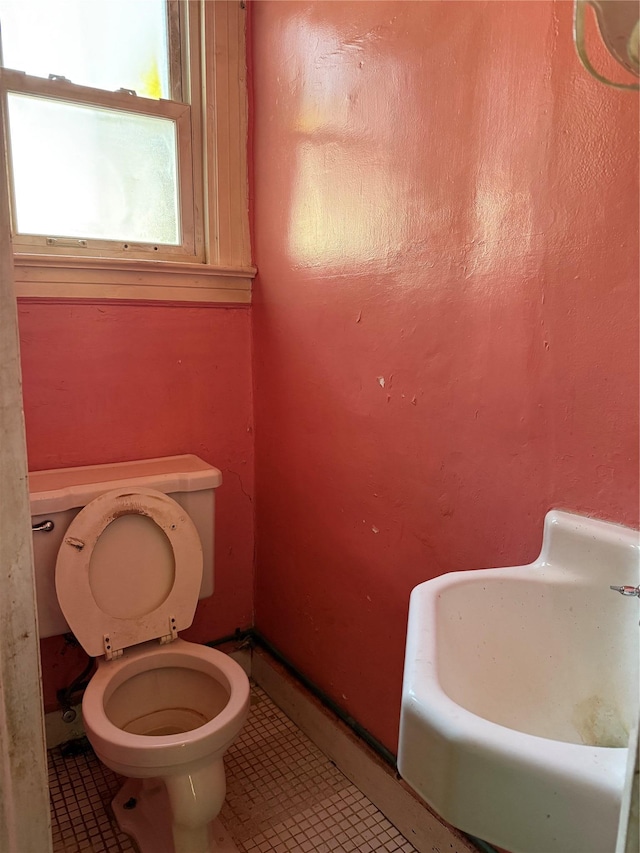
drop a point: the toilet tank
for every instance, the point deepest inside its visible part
(59, 494)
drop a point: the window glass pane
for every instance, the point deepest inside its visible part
(89, 172)
(106, 44)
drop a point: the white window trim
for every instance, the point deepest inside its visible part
(219, 125)
(188, 149)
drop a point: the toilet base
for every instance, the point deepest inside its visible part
(141, 808)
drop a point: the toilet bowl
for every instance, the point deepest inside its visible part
(159, 710)
(167, 713)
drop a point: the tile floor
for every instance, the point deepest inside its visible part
(283, 795)
(80, 790)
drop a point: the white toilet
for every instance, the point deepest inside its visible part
(126, 551)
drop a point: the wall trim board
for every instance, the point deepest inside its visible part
(145, 303)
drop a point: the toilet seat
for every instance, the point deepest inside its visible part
(112, 594)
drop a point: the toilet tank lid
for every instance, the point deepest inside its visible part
(59, 489)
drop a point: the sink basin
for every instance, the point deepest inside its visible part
(521, 691)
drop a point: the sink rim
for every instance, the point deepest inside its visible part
(425, 604)
(455, 737)
(422, 685)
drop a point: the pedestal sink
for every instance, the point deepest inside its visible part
(521, 690)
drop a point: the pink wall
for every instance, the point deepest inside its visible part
(446, 316)
(110, 382)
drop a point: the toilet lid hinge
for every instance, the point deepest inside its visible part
(109, 652)
(173, 632)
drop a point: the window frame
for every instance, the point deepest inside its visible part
(61, 91)
(217, 267)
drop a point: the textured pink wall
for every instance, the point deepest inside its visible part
(107, 383)
(446, 317)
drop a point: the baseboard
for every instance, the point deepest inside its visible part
(359, 763)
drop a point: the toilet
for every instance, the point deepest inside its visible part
(121, 566)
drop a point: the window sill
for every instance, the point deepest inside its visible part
(65, 277)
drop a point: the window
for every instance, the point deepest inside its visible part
(100, 133)
(112, 114)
